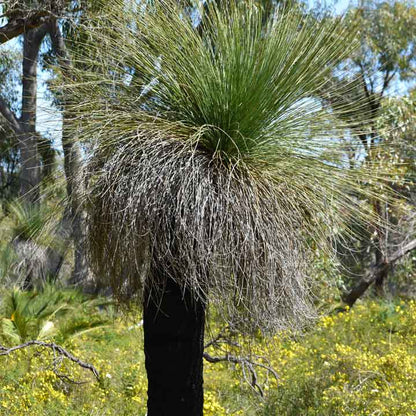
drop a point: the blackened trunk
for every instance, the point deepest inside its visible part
(173, 345)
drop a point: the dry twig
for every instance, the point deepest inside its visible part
(59, 353)
(248, 363)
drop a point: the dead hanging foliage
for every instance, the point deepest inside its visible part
(216, 230)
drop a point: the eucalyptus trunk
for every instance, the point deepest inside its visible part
(28, 140)
(72, 167)
(173, 345)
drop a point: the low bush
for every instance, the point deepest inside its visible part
(357, 362)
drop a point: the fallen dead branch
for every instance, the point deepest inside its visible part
(59, 354)
(249, 364)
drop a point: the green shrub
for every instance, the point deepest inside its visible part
(359, 362)
(50, 313)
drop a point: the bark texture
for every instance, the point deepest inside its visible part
(19, 24)
(173, 345)
(72, 167)
(28, 141)
(378, 273)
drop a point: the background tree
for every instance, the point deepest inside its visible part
(396, 127)
(386, 57)
(31, 19)
(8, 141)
(38, 21)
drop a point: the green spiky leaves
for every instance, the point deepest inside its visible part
(214, 154)
(221, 78)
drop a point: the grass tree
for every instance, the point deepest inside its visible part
(213, 169)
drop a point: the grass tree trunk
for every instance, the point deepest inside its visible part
(173, 345)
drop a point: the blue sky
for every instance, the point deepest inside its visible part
(49, 119)
(339, 5)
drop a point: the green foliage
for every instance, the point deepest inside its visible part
(37, 223)
(9, 78)
(7, 261)
(243, 90)
(41, 315)
(30, 220)
(397, 126)
(386, 33)
(213, 155)
(32, 238)
(355, 363)
(352, 363)
(7, 253)
(8, 140)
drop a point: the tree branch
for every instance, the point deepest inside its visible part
(18, 25)
(386, 82)
(380, 269)
(10, 117)
(58, 45)
(402, 251)
(246, 364)
(56, 349)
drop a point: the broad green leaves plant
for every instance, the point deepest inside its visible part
(48, 314)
